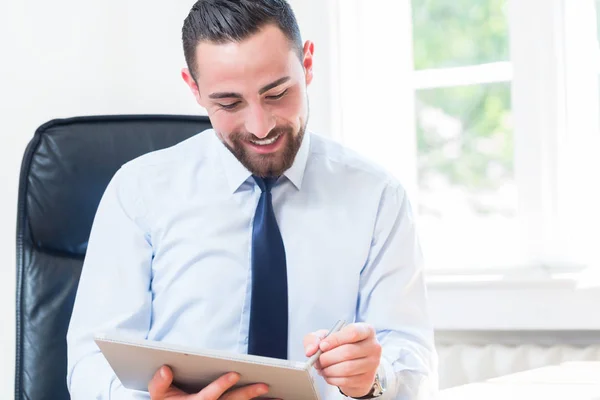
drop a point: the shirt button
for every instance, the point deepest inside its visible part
(246, 340)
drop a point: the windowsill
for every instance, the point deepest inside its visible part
(525, 299)
(498, 280)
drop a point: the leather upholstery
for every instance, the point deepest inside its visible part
(65, 170)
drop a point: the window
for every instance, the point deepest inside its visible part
(467, 193)
(492, 125)
(597, 15)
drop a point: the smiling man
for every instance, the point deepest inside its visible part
(255, 235)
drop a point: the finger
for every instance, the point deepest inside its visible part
(343, 353)
(216, 389)
(317, 365)
(349, 368)
(160, 383)
(311, 341)
(246, 392)
(350, 382)
(352, 333)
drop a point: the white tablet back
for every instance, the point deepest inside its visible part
(136, 361)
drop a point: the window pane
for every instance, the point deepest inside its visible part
(451, 33)
(467, 193)
(598, 37)
(598, 19)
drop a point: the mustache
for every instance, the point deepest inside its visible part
(274, 133)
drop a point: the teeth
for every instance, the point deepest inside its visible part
(265, 142)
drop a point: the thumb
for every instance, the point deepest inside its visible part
(312, 340)
(160, 383)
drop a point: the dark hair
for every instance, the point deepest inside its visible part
(221, 21)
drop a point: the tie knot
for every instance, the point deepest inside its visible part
(265, 184)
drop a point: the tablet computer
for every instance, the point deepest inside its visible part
(135, 361)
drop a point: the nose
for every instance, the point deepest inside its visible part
(259, 121)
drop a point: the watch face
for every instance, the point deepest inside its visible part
(377, 388)
(377, 391)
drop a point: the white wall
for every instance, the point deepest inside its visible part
(70, 57)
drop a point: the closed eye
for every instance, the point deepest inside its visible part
(229, 106)
(277, 96)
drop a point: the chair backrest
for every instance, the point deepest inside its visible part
(65, 170)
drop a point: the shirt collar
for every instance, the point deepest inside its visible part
(296, 172)
(237, 174)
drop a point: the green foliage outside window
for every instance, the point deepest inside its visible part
(464, 133)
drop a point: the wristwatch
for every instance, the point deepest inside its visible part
(376, 391)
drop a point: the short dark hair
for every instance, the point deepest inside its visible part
(221, 21)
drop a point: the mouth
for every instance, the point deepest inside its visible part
(266, 146)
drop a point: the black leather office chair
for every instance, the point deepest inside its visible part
(65, 170)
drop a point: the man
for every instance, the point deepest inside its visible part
(256, 235)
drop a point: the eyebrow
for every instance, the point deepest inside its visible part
(274, 84)
(229, 95)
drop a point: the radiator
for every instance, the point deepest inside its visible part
(466, 357)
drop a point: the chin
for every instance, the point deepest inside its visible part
(267, 164)
(271, 167)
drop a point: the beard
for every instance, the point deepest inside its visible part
(267, 165)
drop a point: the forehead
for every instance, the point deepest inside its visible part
(261, 58)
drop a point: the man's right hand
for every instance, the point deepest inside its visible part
(161, 388)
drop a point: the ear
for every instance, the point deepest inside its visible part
(307, 62)
(191, 82)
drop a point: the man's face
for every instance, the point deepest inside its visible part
(255, 94)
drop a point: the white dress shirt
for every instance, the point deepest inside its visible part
(169, 260)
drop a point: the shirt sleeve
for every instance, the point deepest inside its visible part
(114, 290)
(393, 299)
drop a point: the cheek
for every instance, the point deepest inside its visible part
(293, 109)
(225, 123)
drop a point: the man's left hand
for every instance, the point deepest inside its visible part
(350, 357)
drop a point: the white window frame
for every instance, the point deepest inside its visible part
(492, 72)
(547, 84)
(553, 73)
(555, 112)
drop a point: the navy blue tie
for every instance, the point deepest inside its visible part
(268, 334)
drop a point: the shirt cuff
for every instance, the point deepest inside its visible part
(388, 379)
